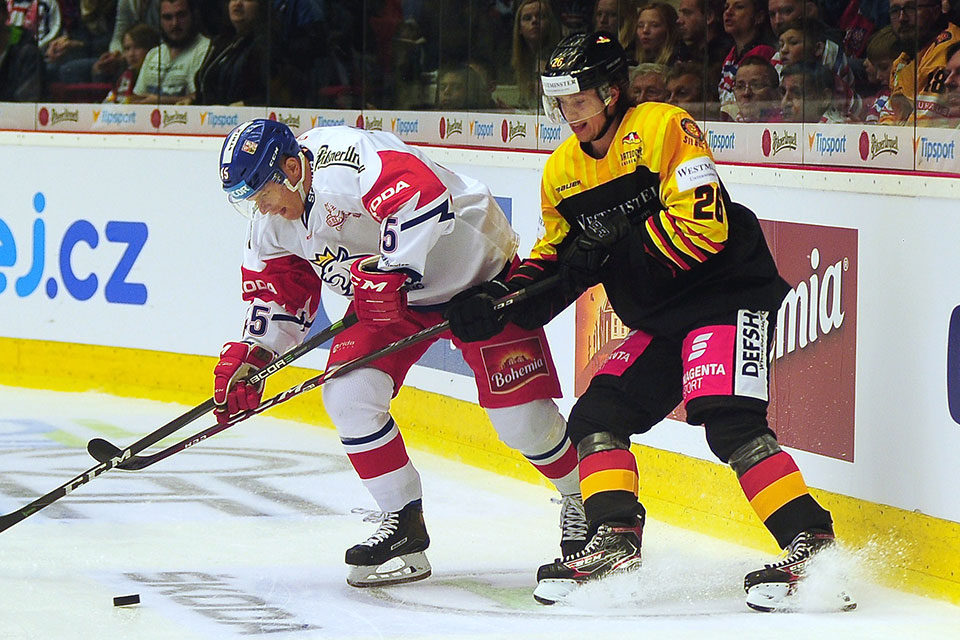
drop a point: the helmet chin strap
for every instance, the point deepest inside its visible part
(609, 118)
(298, 188)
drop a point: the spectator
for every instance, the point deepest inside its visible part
(618, 17)
(807, 94)
(22, 75)
(756, 91)
(137, 41)
(574, 15)
(85, 36)
(129, 13)
(236, 69)
(783, 11)
(688, 86)
(463, 89)
(745, 21)
(455, 29)
(881, 51)
(167, 74)
(319, 43)
(40, 18)
(408, 87)
(648, 83)
(535, 34)
(702, 38)
(952, 84)
(656, 34)
(805, 40)
(860, 19)
(916, 78)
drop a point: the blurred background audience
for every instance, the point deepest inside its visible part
(888, 61)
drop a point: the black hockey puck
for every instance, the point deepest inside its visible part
(123, 601)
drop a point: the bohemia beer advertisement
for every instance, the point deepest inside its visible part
(813, 354)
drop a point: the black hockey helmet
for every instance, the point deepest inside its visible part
(584, 61)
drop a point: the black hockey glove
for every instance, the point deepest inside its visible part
(471, 313)
(582, 261)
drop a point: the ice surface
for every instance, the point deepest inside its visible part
(243, 536)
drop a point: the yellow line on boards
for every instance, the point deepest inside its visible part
(907, 550)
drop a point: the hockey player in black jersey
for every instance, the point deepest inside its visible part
(633, 201)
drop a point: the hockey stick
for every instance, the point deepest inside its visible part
(106, 450)
(119, 456)
(103, 450)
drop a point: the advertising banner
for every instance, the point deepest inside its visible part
(780, 144)
(812, 397)
(733, 142)
(18, 115)
(936, 150)
(883, 147)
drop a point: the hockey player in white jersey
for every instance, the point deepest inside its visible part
(321, 203)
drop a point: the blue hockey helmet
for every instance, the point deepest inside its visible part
(252, 155)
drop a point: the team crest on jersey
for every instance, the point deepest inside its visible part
(691, 129)
(335, 268)
(249, 146)
(632, 138)
(336, 216)
(945, 36)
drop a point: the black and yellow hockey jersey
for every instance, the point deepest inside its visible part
(693, 252)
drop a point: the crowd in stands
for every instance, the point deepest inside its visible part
(872, 61)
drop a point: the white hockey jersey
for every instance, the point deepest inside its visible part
(371, 194)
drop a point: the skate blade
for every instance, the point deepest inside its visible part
(400, 570)
(552, 590)
(778, 596)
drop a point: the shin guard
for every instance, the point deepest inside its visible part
(608, 479)
(776, 490)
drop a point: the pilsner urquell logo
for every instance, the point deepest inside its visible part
(450, 126)
(773, 142)
(871, 146)
(291, 120)
(510, 130)
(67, 115)
(512, 365)
(177, 117)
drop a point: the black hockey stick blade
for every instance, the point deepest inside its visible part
(103, 450)
(12, 518)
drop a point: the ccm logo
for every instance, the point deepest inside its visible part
(388, 193)
(953, 366)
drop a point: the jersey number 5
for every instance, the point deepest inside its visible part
(709, 204)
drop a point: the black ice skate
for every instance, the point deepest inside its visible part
(395, 553)
(613, 549)
(771, 588)
(573, 525)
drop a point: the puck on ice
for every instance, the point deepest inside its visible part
(123, 601)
